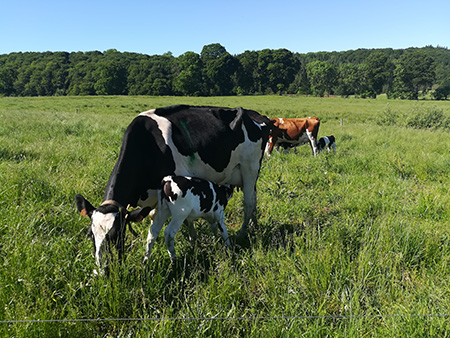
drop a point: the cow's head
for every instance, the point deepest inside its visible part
(108, 224)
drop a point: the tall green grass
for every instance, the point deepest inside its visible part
(362, 233)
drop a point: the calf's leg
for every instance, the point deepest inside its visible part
(159, 219)
(224, 233)
(169, 235)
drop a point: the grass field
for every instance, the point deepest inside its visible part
(352, 244)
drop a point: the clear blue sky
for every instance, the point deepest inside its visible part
(156, 27)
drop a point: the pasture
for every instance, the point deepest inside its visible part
(352, 244)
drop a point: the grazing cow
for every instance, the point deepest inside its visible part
(221, 145)
(187, 198)
(109, 222)
(328, 142)
(294, 132)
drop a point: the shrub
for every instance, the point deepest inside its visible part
(387, 117)
(427, 118)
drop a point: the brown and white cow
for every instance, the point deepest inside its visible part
(221, 145)
(294, 132)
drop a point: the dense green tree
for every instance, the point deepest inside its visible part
(33, 77)
(189, 79)
(261, 74)
(301, 84)
(281, 71)
(376, 73)
(443, 91)
(221, 74)
(111, 79)
(81, 79)
(212, 52)
(322, 76)
(8, 74)
(219, 69)
(348, 82)
(414, 73)
(247, 74)
(53, 78)
(152, 76)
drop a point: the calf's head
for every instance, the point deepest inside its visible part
(108, 224)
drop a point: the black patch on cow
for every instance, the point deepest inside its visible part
(287, 145)
(321, 143)
(108, 208)
(221, 193)
(255, 132)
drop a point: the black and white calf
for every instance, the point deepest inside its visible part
(187, 199)
(328, 142)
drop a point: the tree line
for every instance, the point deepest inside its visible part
(366, 73)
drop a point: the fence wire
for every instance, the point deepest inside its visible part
(161, 319)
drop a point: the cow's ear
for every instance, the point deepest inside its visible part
(84, 207)
(138, 215)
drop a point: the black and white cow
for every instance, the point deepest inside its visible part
(187, 199)
(221, 145)
(327, 142)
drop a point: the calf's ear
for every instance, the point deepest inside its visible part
(84, 207)
(138, 215)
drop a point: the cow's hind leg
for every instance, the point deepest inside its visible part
(249, 177)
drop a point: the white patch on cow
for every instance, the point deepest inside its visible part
(151, 200)
(313, 141)
(101, 225)
(148, 112)
(260, 126)
(281, 120)
(163, 124)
